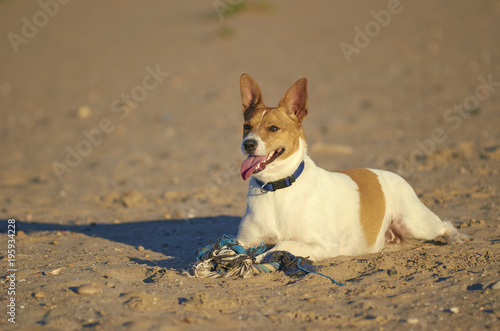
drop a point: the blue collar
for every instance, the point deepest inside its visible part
(282, 183)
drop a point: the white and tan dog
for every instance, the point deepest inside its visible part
(308, 211)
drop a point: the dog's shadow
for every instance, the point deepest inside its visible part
(178, 240)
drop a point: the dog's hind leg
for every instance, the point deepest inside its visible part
(411, 219)
(418, 222)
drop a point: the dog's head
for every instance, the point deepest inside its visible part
(273, 137)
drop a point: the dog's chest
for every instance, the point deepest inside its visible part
(291, 211)
(280, 215)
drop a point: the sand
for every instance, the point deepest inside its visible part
(120, 131)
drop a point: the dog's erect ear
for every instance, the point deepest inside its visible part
(295, 99)
(251, 96)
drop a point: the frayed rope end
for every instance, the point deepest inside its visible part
(227, 258)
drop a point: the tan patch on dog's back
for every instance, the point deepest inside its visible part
(371, 200)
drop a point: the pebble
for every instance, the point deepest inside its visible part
(40, 294)
(496, 286)
(392, 272)
(54, 272)
(455, 310)
(412, 320)
(140, 248)
(474, 222)
(84, 112)
(88, 289)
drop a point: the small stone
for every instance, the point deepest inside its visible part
(54, 272)
(392, 272)
(496, 286)
(474, 222)
(140, 248)
(84, 112)
(412, 320)
(39, 295)
(88, 289)
(20, 234)
(54, 242)
(455, 310)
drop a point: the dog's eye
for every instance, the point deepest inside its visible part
(247, 127)
(273, 128)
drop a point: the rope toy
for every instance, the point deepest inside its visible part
(227, 258)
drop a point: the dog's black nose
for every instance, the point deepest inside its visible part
(250, 145)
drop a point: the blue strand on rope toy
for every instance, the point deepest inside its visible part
(227, 240)
(317, 273)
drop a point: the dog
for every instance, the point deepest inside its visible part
(300, 208)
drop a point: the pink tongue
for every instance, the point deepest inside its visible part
(248, 166)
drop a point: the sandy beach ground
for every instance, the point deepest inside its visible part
(120, 126)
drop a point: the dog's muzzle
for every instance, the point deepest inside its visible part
(250, 145)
